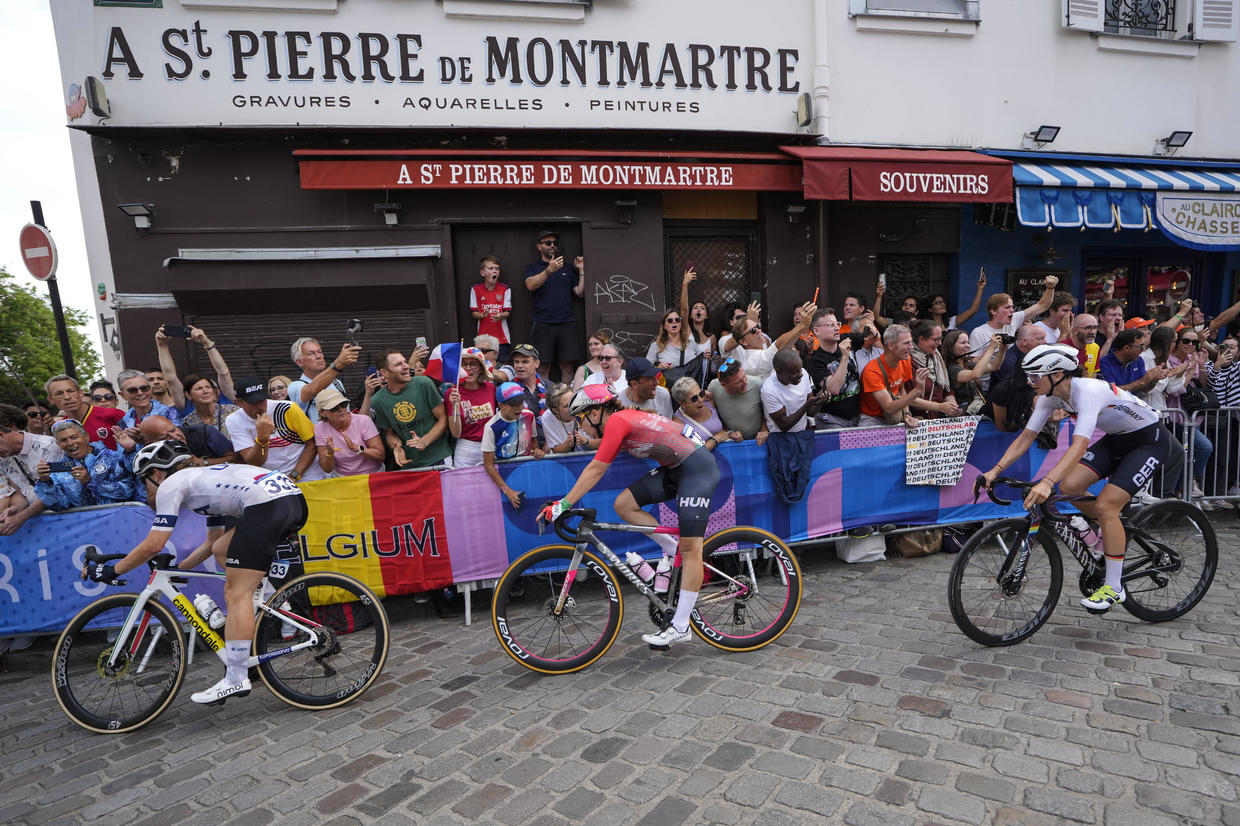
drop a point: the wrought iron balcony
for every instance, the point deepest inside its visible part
(1153, 18)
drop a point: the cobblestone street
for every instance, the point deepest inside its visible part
(872, 709)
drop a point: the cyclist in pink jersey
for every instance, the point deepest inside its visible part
(687, 471)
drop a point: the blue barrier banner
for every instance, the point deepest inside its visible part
(41, 588)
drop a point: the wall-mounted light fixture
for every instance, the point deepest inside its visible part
(624, 211)
(1174, 141)
(140, 213)
(794, 213)
(390, 211)
(1040, 137)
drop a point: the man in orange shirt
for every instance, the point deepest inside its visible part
(883, 381)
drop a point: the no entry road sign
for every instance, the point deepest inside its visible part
(38, 251)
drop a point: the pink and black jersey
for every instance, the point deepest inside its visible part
(647, 436)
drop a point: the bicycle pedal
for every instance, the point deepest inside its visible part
(656, 648)
(1097, 612)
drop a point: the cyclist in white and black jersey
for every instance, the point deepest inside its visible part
(1135, 445)
(267, 507)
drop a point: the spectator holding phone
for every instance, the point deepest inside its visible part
(316, 374)
(553, 331)
(223, 382)
(91, 473)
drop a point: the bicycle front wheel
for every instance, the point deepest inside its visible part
(353, 633)
(139, 685)
(751, 589)
(1170, 562)
(554, 616)
(996, 603)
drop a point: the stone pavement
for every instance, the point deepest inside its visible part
(872, 709)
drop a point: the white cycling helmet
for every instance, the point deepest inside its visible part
(161, 455)
(1050, 358)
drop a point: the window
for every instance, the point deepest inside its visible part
(1169, 20)
(1149, 285)
(957, 9)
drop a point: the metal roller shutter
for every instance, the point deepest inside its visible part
(259, 344)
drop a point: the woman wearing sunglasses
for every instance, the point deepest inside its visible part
(673, 346)
(102, 393)
(699, 415)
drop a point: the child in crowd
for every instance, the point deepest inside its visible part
(508, 435)
(490, 301)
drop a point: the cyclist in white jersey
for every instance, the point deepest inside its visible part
(1135, 445)
(268, 506)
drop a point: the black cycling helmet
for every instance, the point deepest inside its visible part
(163, 455)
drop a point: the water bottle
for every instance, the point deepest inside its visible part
(663, 576)
(640, 567)
(209, 611)
(1088, 535)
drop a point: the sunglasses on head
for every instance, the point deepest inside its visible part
(730, 365)
(102, 397)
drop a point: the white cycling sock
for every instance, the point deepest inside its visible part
(684, 607)
(667, 542)
(236, 652)
(1115, 573)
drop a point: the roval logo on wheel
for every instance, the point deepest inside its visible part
(38, 251)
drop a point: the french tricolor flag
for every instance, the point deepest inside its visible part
(444, 363)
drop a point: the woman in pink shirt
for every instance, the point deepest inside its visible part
(348, 443)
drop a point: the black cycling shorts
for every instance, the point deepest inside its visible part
(261, 529)
(692, 482)
(1130, 460)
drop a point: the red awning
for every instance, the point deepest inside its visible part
(849, 173)
(545, 169)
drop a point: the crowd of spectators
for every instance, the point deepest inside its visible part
(827, 370)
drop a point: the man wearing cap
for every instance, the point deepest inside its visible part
(553, 330)
(525, 374)
(1123, 366)
(509, 434)
(643, 391)
(348, 444)
(270, 434)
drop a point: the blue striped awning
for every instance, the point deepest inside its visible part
(1104, 196)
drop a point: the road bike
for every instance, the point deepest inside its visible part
(1006, 579)
(121, 661)
(558, 608)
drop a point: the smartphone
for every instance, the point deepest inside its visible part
(60, 467)
(420, 342)
(352, 330)
(882, 279)
(371, 371)
(689, 265)
(176, 331)
(755, 297)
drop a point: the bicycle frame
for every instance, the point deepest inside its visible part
(587, 538)
(161, 583)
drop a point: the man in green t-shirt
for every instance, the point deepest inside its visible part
(409, 412)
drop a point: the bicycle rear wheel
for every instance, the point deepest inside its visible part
(1168, 573)
(994, 606)
(145, 678)
(353, 641)
(742, 607)
(523, 610)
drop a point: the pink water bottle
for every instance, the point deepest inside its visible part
(640, 567)
(663, 576)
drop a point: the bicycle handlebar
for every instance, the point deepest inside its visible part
(1001, 480)
(561, 528)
